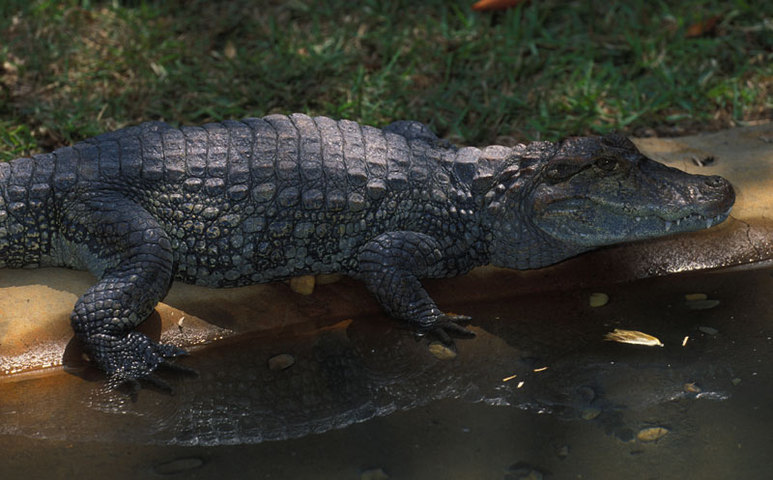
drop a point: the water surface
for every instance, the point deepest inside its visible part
(364, 394)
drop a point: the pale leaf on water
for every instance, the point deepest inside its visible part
(634, 337)
(651, 434)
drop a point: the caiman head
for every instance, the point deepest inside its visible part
(594, 191)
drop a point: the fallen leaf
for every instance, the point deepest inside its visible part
(692, 388)
(283, 361)
(230, 50)
(483, 5)
(708, 330)
(590, 413)
(651, 434)
(598, 299)
(441, 351)
(704, 27)
(633, 337)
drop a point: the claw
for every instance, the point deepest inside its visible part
(449, 322)
(454, 328)
(133, 359)
(441, 335)
(445, 325)
(133, 385)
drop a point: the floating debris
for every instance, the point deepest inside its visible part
(701, 304)
(651, 434)
(692, 388)
(691, 297)
(562, 451)
(684, 340)
(441, 351)
(633, 337)
(735, 381)
(374, 474)
(303, 285)
(523, 471)
(708, 330)
(590, 413)
(521, 384)
(507, 379)
(598, 299)
(282, 361)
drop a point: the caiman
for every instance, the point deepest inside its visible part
(264, 199)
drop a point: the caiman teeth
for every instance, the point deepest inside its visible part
(709, 221)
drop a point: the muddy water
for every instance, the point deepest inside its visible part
(364, 396)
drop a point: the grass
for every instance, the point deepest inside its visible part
(71, 69)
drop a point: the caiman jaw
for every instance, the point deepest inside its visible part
(593, 220)
(690, 222)
(700, 221)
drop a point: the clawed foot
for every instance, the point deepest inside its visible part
(133, 359)
(446, 325)
(134, 385)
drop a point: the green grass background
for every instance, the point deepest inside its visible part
(71, 69)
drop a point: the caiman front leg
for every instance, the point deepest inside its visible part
(391, 265)
(132, 256)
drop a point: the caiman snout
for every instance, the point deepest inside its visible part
(718, 189)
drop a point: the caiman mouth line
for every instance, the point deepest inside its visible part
(691, 218)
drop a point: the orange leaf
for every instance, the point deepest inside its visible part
(704, 27)
(482, 5)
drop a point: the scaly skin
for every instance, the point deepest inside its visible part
(236, 203)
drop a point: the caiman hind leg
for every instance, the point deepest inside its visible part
(131, 254)
(391, 265)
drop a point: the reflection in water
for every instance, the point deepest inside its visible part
(343, 374)
(541, 355)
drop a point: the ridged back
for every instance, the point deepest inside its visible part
(317, 162)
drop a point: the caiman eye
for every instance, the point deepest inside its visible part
(607, 164)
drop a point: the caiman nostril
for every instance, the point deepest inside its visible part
(715, 181)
